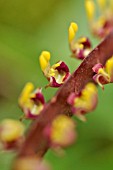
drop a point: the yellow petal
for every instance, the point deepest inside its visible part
(73, 28)
(25, 94)
(44, 59)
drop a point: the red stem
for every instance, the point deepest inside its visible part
(36, 142)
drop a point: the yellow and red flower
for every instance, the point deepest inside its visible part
(11, 133)
(102, 25)
(80, 47)
(104, 74)
(57, 73)
(31, 101)
(84, 102)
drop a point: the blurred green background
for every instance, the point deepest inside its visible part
(26, 28)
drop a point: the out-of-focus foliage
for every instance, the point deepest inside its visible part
(27, 28)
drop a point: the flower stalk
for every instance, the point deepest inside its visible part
(36, 143)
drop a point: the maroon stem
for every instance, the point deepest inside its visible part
(36, 142)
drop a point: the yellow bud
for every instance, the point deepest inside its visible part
(25, 93)
(90, 9)
(11, 130)
(44, 59)
(73, 28)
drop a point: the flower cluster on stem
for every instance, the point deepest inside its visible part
(52, 125)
